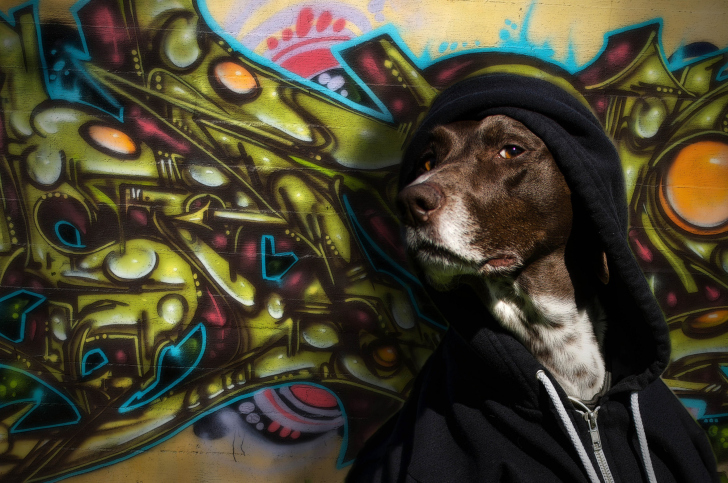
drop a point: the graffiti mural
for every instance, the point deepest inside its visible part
(197, 235)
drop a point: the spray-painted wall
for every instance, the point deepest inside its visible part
(200, 272)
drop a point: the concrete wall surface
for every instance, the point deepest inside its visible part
(201, 277)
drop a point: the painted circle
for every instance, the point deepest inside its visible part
(320, 335)
(710, 320)
(45, 165)
(314, 396)
(207, 175)
(649, 114)
(111, 140)
(386, 356)
(134, 264)
(234, 77)
(180, 43)
(695, 188)
(172, 308)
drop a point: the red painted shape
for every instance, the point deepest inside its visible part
(323, 21)
(298, 45)
(284, 412)
(285, 432)
(712, 293)
(308, 64)
(274, 426)
(213, 315)
(295, 434)
(396, 105)
(111, 34)
(642, 251)
(370, 65)
(339, 25)
(619, 54)
(449, 74)
(138, 216)
(150, 128)
(671, 299)
(314, 396)
(287, 35)
(272, 43)
(304, 22)
(120, 357)
(219, 241)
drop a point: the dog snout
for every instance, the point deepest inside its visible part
(418, 202)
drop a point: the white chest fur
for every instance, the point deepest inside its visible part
(562, 337)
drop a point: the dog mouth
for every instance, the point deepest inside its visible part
(501, 262)
(431, 256)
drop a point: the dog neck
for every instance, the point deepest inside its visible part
(540, 308)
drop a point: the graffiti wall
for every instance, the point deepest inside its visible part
(200, 270)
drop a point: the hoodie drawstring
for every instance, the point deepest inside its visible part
(637, 417)
(573, 435)
(576, 441)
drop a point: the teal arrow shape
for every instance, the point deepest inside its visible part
(275, 265)
(175, 364)
(14, 308)
(50, 409)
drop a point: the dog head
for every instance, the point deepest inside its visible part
(487, 200)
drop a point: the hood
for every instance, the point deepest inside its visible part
(637, 344)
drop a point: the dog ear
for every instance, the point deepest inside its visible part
(603, 268)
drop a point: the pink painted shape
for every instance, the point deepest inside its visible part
(213, 315)
(371, 66)
(308, 64)
(304, 22)
(150, 128)
(339, 25)
(323, 21)
(314, 396)
(113, 35)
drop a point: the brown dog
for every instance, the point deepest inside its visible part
(489, 207)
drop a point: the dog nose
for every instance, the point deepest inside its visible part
(416, 203)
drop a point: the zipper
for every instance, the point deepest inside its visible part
(591, 419)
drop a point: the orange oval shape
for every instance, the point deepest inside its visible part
(112, 140)
(236, 78)
(710, 320)
(386, 356)
(695, 192)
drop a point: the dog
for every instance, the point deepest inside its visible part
(490, 208)
(514, 212)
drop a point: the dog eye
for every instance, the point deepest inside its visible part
(427, 165)
(510, 151)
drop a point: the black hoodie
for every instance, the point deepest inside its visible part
(483, 408)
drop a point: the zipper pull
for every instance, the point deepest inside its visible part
(591, 419)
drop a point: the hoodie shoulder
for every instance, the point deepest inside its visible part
(678, 445)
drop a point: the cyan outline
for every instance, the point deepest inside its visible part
(84, 370)
(41, 299)
(75, 54)
(63, 240)
(362, 236)
(149, 394)
(37, 399)
(263, 253)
